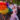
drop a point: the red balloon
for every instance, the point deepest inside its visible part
(2, 6)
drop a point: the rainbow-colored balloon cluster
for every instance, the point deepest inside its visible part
(4, 8)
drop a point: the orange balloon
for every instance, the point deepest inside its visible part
(3, 6)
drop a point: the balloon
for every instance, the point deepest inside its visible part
(3, 8)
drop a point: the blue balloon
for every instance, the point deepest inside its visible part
(6, 4)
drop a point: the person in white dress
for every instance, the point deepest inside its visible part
(14, 14)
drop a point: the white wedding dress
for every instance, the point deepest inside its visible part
(14, 15)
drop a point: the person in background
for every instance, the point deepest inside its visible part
(0, 16)
(10, 5)
(3, 17)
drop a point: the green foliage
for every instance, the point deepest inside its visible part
(17, 2)
(14, 1)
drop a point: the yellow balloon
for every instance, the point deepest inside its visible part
(4, 11)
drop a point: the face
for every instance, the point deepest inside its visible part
(6, 0)
(13, 7)
(11, 1)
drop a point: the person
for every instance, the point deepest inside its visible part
(0, 16)
(3, 17)
(18, 12)
(14, 14)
